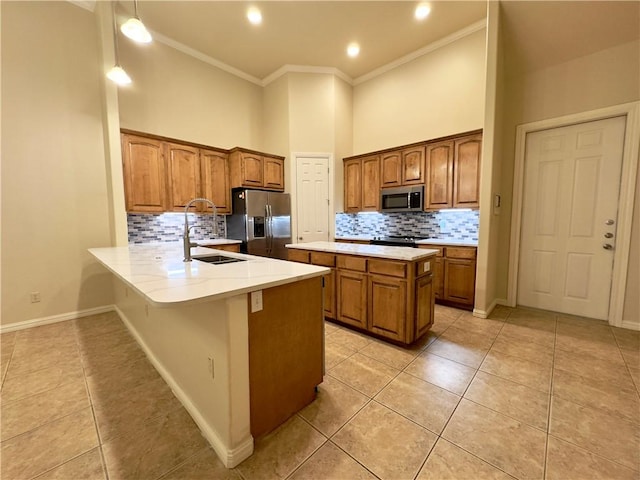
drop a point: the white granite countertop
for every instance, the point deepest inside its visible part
(156, 271)
(449, 242)
(392, 253)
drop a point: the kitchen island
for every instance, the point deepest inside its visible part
(238, 354)
(379, 290)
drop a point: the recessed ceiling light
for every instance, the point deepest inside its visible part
(422, 11)
(254, 15)
(353, 49)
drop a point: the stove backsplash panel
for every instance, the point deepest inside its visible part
(169, 227)
(454, 225)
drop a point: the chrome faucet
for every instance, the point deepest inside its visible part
(186, 241)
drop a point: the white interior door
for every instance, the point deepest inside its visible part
(312, 194)
(570, 201)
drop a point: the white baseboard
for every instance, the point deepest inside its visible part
(631, 325)
(36, 322)
(485, 313)
(230, 458)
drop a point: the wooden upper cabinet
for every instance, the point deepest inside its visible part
(214, 172)
(371, 183)
(255, 170)
(251, 170)
(273, 172)
(391, 169)
(184, 176)
(352, 185)
(439, 165)
(466, 172)
(413, 166)
(144, 174)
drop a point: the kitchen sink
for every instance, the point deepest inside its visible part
(218, 259)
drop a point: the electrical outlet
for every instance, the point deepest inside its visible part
(211, 369)
(35, 297)
(427, 266)
(256, 301)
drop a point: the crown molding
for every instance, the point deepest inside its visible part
(306, 69)
(474, 27)
(86, 4)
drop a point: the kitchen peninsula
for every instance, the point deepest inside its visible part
(239, 355)
(380, 290)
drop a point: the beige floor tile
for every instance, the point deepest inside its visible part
(442, 311)
(461, 346)
(486, 433)
(26, 346)
(592, 367)
(516, 347)
(113, 359)
(98, 345)
(29, 360)
(601, 394)
(396, 357)
(522, 403)
(586, 330)
(48, 446)
(629, 339)
(330, 328)
(604, 348)
(516, 369)
(448, 462)
(87, 466)
(334, 353)
(531, 314)
(444, 373)
(59, 331)
(204, 465)
(635, 375)
(580, 321)
(7, 340)
(423, 342)
(4, 366)
(33, 411)
(596, 431)
(126, 413)
(501, 312)
(97, 325)
(334, 405)
(279, 453)
(420, 401)
(350, 339)
(484, 326)
(21, 386)
(528, 334)
(156, 448)
(364, 374)
(631, 357)
(386, 443)
(566, 461)
(329, 462)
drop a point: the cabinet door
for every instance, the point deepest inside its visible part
(459, 280)
(184, 176)
(391, 169)
(387, 306)
(371, 183)
(144, 174)
(273, 171)
(413, 166)
(352, 185)
(466, 172)
(330, 294)
(439, 163)
(351, 292)
(251, 170)
(438, 278)
(424, 305)
(214, 169)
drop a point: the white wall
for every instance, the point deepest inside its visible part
(440, 93)
(54, 189)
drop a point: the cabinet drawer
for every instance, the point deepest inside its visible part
(434, 247)
(387, 267)
(461, 252)
(323, 259)
(425, 266)
(298, 255)
(350, 262)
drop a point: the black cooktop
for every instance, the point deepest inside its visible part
(396, 241)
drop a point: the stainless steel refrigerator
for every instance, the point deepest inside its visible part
(262, 220)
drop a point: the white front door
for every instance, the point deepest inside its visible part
(312, 194)
(569, 217)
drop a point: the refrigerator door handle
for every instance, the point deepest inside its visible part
(270, 229)
(267, 227)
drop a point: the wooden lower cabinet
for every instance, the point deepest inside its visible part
(459, 280)
(438, 278)
(425, 304)
(387, 306)
(330, 294)
(351, 293)
(231, 247)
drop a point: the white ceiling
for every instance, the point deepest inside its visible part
(316, 33)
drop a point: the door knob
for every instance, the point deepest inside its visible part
(608, 235)
(609, 222)
(300, 238)
(607, 246)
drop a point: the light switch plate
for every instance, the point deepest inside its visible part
(256, 301)
(427, 266)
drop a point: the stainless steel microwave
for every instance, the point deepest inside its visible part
(402, 199)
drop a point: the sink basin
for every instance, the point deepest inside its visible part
(218, 259)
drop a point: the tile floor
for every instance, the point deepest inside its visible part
(524, 394)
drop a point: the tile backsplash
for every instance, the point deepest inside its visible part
(450, 224)
(169, 227)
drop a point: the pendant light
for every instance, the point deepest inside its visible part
(134, 28)
(117, 73)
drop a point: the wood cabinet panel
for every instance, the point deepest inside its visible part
(371, 183)
(387, 306)
(466, 172)
(273, 171)
(413, 166)
(232, 247)
(214, 171)
(323, 259)
(391, 169)
(438, 278)
(330, 294)
(350, 262)
(439, 166)
(388, 267)
(352, 185)
(351, 291)
(144, 174)
(184, 176)
(425, 305)
(255, 170)
(459, 280)
(295, 255)
(461, 252)
(251, 168)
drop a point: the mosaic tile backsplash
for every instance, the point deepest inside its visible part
(169, 227)
(454, 225)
